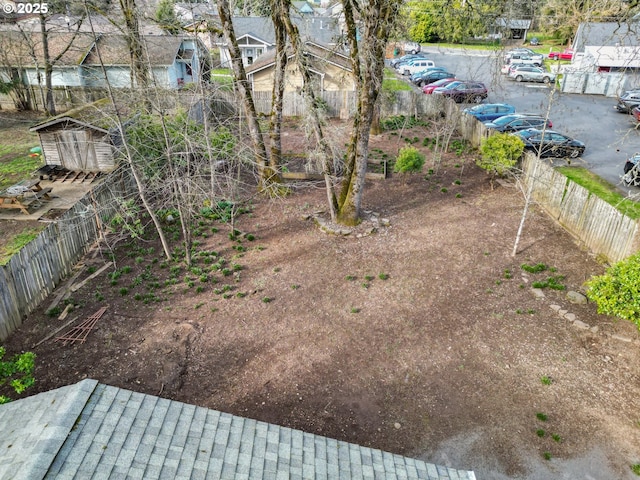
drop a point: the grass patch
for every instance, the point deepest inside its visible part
(18, 169)
(14, 245)
(602, 189)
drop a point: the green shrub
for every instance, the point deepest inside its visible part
(409, 160)
(16, 372)
(617, 292)
(500, 153)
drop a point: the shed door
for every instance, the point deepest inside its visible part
(76, 151)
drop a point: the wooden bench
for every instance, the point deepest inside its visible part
(39, 196)
(12, 201)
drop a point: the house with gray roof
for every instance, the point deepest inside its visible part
(91, 430)
(607, 47)
(330, 70)
(88, 60)
(256, 36)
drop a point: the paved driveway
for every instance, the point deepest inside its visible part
(610, 136)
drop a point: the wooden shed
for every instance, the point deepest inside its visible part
(80, 140)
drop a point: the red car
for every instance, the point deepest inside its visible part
(567, 54)
(428, 89)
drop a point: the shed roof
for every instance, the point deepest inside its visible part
(522, 24)
(94, 115)
(92, 430)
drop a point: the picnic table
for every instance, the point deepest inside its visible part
(23, 194)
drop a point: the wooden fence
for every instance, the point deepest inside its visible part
(597, 224)
(32, 273)
(338, 104)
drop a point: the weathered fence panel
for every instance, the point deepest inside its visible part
(32, 273)
(599, 226)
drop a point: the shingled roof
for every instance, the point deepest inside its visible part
(322, 52)
(161, 50)
(17, 49)
(92, 430)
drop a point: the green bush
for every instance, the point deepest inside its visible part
(17, 372)
(409, 160)
(617, 292)
(500, 153)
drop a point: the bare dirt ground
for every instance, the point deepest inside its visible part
(443, 360)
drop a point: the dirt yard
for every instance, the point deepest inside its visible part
(423, 337)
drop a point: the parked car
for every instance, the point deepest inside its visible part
(526, 73)
(507, 67)
(526, 60)
(429, 76)
(464, 91)
(428, 89)
(628, 101)
(550, 144)
(566, 54)
(406, 61)
(518, 53)
(518, 121)
(406, 58)
(631, 175)
(635, 111)
(490, 111)
(419, 73)
(415, 66)
(411, 47)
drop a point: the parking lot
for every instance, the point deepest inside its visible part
(610, 136)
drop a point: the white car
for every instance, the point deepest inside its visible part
(411, 47)
(527, 73)
(415, 66)
(524, 55)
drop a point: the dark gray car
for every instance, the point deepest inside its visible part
(518, 121)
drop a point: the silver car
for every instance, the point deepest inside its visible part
(526, 73)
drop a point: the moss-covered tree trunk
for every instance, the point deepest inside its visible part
(376, 19)
(277, 95)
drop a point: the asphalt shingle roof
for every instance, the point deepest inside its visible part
(606, 34)
(92, 430)
(321, 29)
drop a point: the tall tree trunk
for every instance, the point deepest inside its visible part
(139, 65)
(270, 179)
(367, 56)
(281, 9)
(275, 125)
(49, 103)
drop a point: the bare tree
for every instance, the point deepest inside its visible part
(282, 18)
(270, 179)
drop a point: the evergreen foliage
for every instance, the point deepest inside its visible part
(500, 153)
(617, 291)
